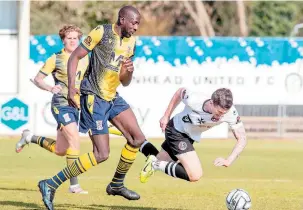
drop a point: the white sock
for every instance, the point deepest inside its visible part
(74, 186)
(159, 165)
(28, 138)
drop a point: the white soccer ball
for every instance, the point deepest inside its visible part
(238, 199)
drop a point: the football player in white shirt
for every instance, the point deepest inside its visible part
(178, 157)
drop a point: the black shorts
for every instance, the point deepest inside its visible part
(176, 143)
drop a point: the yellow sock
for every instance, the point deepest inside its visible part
(82, 164)
(71, 156)
(128, 156)
(47, 143)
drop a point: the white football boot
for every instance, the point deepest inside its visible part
(76, 189)
(25, 139)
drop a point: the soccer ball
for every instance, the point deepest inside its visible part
(238, 199)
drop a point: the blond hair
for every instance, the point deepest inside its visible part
(69, 28)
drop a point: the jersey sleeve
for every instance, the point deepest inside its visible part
(233, 118)
(93, 38)
(185, 96)
(191, 99)
(49, 65)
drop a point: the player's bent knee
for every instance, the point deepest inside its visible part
(101, 157)
(60, 152)
(136, 142)
(196, 176)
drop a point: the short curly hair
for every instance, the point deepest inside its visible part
(222, 97)
(69, 28)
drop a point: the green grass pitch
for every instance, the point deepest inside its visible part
(271, 171)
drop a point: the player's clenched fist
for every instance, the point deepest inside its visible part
(126, 72)
(163, 122)
(56, 89)
(73, 94)
(127, 65)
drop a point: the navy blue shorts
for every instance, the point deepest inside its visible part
(95, 112)
(65, 115)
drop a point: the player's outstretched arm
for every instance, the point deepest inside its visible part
(174, 102)
(240, 135)
(72, 65)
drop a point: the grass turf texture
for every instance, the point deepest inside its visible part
(271, 171)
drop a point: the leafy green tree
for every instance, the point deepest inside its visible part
(48, 16)
(96, 13)
(165, 18)
(270, 18)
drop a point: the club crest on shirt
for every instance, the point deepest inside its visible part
(88, 40)
(182, 145)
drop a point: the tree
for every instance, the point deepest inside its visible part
(157, 17)
(165, 18)
(48, 16)
(273, 18)
(96, 13)
(242, 18)
(198, 12)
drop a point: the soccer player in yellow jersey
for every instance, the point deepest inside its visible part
(111, 47)
(67, 142)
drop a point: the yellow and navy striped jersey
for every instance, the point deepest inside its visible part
(108, 51)
(57, 66)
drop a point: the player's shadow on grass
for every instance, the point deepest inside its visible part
(95, 207)
(33, 206)
(101, 207)
(16, 189)
(23, 205)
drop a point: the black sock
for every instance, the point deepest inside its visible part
(148, 148)
(176, 170)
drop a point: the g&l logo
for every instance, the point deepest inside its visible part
(14, 113)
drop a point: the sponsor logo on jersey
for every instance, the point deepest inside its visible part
(201, 121)
(186, 119)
